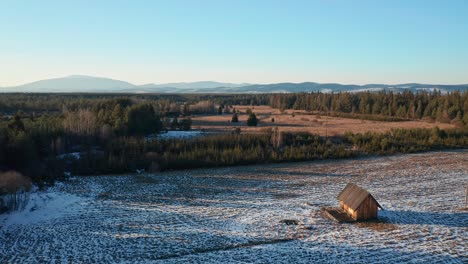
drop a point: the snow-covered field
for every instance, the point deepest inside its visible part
(234, 215)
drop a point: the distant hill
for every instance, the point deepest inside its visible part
(336, 87)
(194, 85)
(190, 87)
(328, 88)
(73, 83)
(81, 83)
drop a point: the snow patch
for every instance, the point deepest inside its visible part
(43, 206)
(178, 135)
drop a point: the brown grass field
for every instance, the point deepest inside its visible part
(302, 122)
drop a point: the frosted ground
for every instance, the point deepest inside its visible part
(234, 215)
(177, 135)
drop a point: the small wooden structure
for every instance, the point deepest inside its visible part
(358, 203)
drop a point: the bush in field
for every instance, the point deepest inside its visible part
(235, 118)
(252, 120)
(236, 131)
(12, 181)
(13, 188)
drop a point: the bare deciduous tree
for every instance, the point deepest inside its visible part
(83, 122)
(206, 107)
(277, 138)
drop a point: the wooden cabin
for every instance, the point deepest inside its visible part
(358, 203)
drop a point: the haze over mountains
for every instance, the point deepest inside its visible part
(89, 84)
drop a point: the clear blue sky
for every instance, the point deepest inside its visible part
(254, 41)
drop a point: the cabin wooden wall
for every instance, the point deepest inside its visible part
(367, 210)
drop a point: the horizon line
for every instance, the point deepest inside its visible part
(225, 82)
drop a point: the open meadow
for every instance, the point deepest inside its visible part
(236, 215)
(302, 121)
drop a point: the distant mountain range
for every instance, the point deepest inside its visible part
(89, 84)
(73, 83)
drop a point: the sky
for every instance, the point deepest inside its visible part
(251, 41)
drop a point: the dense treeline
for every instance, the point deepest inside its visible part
(408, 140)
(124, 154)
(108, 133)
(52, 103)
(28, 145)
(33, 144)
(451, 107)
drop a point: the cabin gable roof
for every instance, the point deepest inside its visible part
(353, 196)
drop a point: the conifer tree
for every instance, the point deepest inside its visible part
(235, 118)
(252, 120)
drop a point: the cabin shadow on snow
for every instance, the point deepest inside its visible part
(456, 219)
